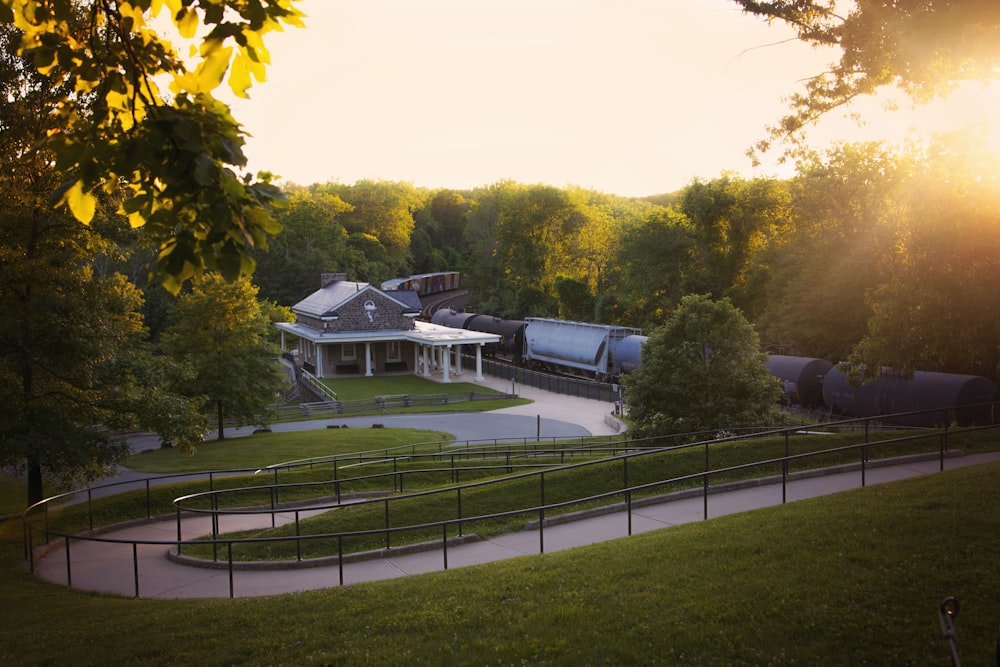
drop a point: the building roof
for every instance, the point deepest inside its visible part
(425, 333)
(325, 301)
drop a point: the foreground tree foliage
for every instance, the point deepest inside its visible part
(702, 370)
(179, 156)
(73, 363)
(922, 47)
(221, 332)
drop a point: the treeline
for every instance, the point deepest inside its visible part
(883, 256)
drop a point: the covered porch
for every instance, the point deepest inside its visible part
(422, 350)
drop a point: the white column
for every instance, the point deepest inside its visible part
(427, 365)
(446, 353)
(479, 363)
(319, 361)
(416, 358)
(368, 360)
(458, 360)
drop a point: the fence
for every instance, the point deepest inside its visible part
(625, 462)
(335, 408)
(598, 391)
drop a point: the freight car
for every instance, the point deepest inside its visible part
(628, 352)
(605, 352)
(426, 284)
(509, 348)
(891, 393)
(574, 347)
(801, 378)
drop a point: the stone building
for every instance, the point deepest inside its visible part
(348, 329)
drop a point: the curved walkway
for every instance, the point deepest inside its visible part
(113, 568)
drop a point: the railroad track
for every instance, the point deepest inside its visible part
(435, 302)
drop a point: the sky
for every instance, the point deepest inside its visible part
(627, 97)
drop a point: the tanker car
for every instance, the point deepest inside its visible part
(593, 351)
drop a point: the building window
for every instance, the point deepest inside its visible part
(347, 352)
(393, 351)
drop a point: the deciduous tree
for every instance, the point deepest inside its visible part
(220, 330)
(701, 370)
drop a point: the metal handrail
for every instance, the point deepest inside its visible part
(626, 491)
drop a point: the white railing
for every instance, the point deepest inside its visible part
(314, 382)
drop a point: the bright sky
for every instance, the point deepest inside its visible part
(631, 97)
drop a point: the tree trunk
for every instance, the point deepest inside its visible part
(222, 433)
(35, 492)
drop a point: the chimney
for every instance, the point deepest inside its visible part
(330, 278)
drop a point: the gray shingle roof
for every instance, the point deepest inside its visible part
(326, 300)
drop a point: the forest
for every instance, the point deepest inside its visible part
(134, 241)
(876, 254)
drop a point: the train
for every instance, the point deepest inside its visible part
(593, 351)
(426, 284)
(605, 352)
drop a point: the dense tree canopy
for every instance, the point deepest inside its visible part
(937, 307)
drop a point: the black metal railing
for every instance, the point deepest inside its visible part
(622, 459)
(557, 384)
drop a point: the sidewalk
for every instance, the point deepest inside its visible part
(110, 568)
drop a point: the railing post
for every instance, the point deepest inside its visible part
(135, 566)
(784, 473)
(69, 570)
(864, 461)
(90, 506)
(178, 531)
(444, 544)
(340, 557)
(298, 534)
(149, 501)
(387, 545)
(459, 497)
(944, 442)
(215, 527)
(628, 493)
(541, 515)
(230, 545)
(705, 484)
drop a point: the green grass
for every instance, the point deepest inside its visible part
(849, 579)
(362, 388)
(13, 492)
(512, 494)
(263, 449)
(367, 388)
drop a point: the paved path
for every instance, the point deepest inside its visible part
(111, 567)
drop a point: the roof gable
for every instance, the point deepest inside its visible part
(327, 300)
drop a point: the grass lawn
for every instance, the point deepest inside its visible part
(13, 492)
(367, 388)
(263, 449)
(361, 388)
(849, 579)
